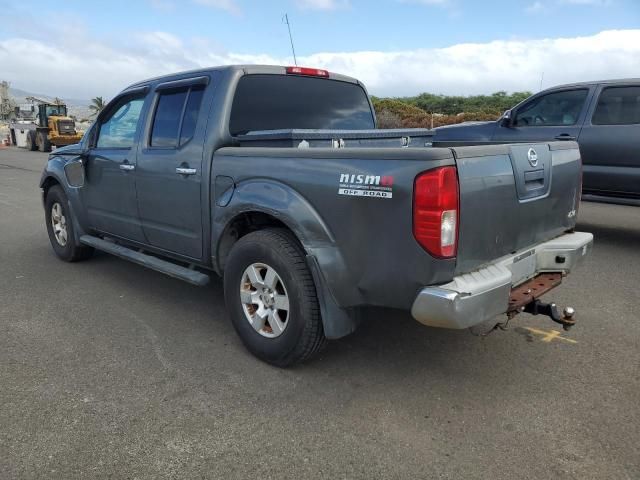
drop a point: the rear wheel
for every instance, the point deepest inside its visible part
(271, 298)
(60, 227)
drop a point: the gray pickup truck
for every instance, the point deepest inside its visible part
(208, 171)
(603, 117)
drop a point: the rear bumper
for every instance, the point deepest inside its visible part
(478, 296)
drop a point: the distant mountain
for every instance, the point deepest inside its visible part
(78, 108)
(20, 95)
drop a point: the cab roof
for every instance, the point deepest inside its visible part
(616, 81)
(247, 69)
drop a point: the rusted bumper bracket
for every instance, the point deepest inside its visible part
(525, 298)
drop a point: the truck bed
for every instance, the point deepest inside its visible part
(364, 244)
(499, 187)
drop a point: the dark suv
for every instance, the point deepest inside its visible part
(604, 117)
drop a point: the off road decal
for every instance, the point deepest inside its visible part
(360, 185)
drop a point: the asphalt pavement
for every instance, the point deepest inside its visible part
(109, 370)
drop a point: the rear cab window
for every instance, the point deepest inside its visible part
(274, 102)
(618, 106)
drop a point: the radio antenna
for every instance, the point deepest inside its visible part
(286, 20)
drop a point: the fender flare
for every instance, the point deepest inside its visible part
(277, 200)
(55, 170)
(285, 204)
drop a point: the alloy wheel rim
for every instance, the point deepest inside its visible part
(265, 301)
(59, 224)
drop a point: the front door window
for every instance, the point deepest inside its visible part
(554, 109)
(118, 129)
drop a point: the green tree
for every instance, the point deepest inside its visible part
(429, 110)
(497, 102)
(97, 105)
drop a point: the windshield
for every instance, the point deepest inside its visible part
(60, 110)
(274, 102)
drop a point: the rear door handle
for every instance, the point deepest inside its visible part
(564, 136)
(186, 171)
(127, 166)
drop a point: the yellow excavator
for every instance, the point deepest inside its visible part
(53, 126)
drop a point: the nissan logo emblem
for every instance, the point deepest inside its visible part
(532, 155)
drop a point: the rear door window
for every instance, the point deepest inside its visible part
(166, 122)
(191, 113)
(175, 118)
(618, 106)
(553, 109)
(273, 102)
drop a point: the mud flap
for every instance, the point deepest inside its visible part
(337, 322)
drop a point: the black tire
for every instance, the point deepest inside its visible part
(44, 143)
(31, 141)
(70, 251)
(303, 336)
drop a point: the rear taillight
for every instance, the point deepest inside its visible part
(311, 72)
(436, 211)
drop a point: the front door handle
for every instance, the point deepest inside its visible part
(564, 136)
(185, 171)
(127, 167)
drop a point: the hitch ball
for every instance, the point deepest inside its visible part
(569, 312)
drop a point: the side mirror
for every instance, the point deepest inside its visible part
(507, 119)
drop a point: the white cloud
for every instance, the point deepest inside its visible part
(427, 2)
(540, 7)
(88, 68)
(162, 5)
(596, 3)
(321, 4)
(535, 7)
(229, 5)
(170, 5)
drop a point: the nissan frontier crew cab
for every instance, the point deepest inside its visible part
(276, 179)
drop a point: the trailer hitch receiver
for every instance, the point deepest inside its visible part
(526, 298)
(536, 307)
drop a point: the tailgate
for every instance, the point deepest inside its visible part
(513, 197)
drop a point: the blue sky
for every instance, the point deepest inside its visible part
(251, 26)
(159, 35)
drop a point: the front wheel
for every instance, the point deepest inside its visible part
(44, 143)
(31, 141)
(272, 298)
(60, 227)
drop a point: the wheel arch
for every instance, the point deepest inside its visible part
(337, 322)
(54, 176)
(47, 182)
(266, 202)
(242, 224)
(54, 173)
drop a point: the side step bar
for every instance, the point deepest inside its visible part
(176, 271)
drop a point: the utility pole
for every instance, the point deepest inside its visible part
(6, 104)
(541, 79)
(286, 20)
